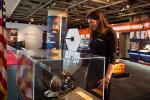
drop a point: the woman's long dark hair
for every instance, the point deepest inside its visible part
(103, 24)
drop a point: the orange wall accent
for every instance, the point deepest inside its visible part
(84, 31)
(132, 26)
(124, 27)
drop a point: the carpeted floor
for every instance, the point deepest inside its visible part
(136, 87)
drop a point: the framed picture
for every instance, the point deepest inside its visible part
(11, 35)
(135, 35)
(145, 34)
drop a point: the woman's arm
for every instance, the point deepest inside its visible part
(109, 72)
(112, 50)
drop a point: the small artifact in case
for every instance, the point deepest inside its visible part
(60, 84)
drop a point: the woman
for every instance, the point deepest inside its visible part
(103, 43)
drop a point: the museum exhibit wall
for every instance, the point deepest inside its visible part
(30, 33)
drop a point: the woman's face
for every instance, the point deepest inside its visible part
(92, 24)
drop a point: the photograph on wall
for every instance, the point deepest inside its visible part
(135, 35)
(85, 39)
(134, 46)
(11, 35)
(53, 31)
(145, 34)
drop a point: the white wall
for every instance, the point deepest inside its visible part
(31, 34)
(23, 28)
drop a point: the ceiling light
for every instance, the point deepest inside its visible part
(47, 7)
(108, 1)
(54, 4)
(122, 9)
(31, 19)
(128, 6)
(66, 10)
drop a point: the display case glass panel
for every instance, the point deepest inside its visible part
(44, 74)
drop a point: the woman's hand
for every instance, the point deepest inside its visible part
(103, 82)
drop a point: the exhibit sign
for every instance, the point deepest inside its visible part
(57, 26)
(132, 26)
(53, 31)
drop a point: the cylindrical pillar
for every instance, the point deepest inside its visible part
(57, 27)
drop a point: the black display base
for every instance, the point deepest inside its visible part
(122, 75)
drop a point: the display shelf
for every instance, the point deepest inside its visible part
(141, 55)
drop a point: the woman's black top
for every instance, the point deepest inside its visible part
(105, 46)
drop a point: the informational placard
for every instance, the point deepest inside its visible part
(53, 31)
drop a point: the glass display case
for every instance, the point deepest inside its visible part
(59, 75)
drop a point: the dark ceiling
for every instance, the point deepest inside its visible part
(116, 10)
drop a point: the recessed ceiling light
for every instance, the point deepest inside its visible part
(66, 10)
(31, 19)
(122, 9)
(128, 6)
(54, 4)
(108, 1)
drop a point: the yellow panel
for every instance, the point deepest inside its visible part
(83, 95)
